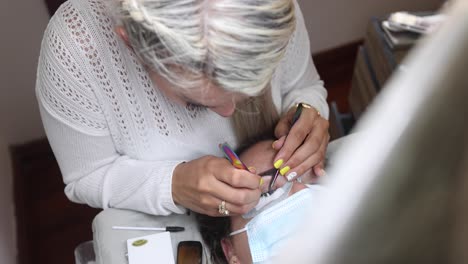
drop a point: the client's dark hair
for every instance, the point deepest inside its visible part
(215, 229)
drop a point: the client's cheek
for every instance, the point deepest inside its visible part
(297, 187)
(280, 181)
(309, 177)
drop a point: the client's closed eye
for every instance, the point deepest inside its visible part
(268, 175)
(270, 172)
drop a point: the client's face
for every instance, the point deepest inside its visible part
(260, 156)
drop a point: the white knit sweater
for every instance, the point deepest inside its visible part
(116, 138)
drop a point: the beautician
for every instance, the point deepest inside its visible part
(135, 97)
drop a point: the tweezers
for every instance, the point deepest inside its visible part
(237, 163)
(296, 116)
(273, 181)
(232, 157)
(269, 172)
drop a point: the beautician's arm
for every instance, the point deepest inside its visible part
(306, 142)
(93, 170)
(96, 174)
(299, 78)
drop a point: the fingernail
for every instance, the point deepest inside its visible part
(284, 170)
(261, 182)
(322, 173)
(252, 169)
(291, 176)
(278, 163)
(273, 144)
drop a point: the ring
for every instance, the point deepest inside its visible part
(222, 209)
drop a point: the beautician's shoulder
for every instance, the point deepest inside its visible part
(297, 53)
(67, 75)
(80, 23)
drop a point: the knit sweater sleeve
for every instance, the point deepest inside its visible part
(300, 81)
(93, 170)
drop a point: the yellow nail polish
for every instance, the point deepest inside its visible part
(278, 163)
(252, 169)
(284, 170)
(261, 181)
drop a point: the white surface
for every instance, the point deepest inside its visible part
(110, 245)
(158, 247)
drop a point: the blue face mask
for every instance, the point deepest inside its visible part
(268, 230)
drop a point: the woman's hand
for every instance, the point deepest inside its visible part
(301, 147)
(202, 184)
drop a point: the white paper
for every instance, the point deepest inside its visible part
(150, 249)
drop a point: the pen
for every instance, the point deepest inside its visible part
(298, 113)
(138, 228)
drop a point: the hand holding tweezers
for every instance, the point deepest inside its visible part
(296, 116)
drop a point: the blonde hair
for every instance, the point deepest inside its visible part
(236, 44)
(255, 117)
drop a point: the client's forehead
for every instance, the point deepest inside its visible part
(259, 155)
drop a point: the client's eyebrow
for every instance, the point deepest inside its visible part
(269, 172)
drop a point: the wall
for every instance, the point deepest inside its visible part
(21, 26)
(332, 23)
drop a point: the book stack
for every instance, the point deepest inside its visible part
(340, 123)
(364, 84)
(376, 61)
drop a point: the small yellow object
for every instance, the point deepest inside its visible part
(139, 243)
(284, 170)
(278, 163)
(261, 181)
